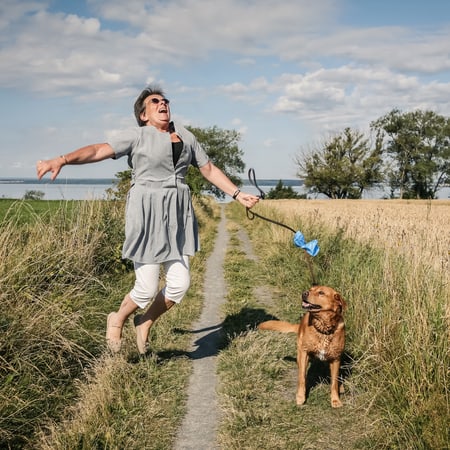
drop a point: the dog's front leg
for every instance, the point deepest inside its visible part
(334, 371)
(302, 362)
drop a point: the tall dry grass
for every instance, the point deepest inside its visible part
(418, 229)
(51, 271)
(60, 274)
(56, 290)
(127, 402)
(390, 260)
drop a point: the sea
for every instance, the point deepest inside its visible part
(59, 189)
(95, 188)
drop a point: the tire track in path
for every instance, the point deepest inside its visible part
(199, 427)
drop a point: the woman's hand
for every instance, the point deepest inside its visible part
(51, 165)
(84, 155)
(248, 200)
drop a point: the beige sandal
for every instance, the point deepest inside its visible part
(142, 344)
(113, 337)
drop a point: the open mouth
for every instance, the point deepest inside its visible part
(310, 306)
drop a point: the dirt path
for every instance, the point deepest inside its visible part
(198, 429)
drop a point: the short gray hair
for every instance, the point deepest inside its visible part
(139, 106)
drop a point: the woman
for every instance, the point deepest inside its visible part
(160, 225)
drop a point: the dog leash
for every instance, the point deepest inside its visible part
(311, 248)
(262, 195)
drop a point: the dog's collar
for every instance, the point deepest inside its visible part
(320, 326)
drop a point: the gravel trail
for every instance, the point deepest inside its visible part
(198, 429)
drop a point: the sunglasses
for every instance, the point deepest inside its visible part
(159, 100)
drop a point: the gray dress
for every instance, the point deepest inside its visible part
(160, 223)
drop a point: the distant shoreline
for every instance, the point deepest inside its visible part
(81, 181)
(90, 188)
(111, 181)
(95, 188)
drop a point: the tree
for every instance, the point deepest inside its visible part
(418, 145)
(222, 148)
(343, 167)
(33, 195)
(122, 185)
(280, 191)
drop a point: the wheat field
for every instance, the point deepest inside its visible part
(418, 229)
(390, 260)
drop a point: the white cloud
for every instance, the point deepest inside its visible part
(12, 11)
(64, 52)
(269, 142)
(293, 62)
(245, 61)
(240, 126)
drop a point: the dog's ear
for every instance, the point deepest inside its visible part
(340, 301)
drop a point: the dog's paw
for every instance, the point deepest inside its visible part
(336, 403)
(300, 399)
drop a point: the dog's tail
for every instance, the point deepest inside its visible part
(279, 325)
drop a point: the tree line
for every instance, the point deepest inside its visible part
(409, 152)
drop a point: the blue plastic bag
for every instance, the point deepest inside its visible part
(311, 247)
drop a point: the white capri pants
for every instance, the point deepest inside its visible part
(146, 286)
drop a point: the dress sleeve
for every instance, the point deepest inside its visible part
(199, 156)
(124, 141)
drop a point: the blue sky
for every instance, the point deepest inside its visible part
(287, 75)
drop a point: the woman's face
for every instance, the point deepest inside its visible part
(156, 112)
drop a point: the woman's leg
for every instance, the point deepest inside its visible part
(159, 306)
(115, 322)
(177, 283)
(145, 288)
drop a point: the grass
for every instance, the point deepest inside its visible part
(416, 229)
(131, 403)
(28, 211)
(61, 273)
(53, 268)
(397, 359)
(258, 370)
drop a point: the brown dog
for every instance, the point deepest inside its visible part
(320, 333)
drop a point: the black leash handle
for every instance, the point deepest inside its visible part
(252, 179)
(251, 215)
